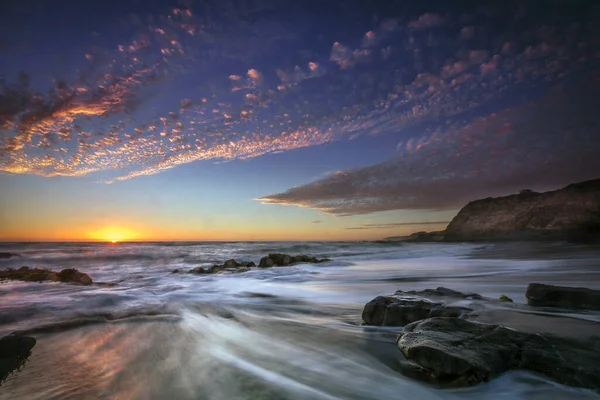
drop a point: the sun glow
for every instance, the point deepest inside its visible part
(113, 234)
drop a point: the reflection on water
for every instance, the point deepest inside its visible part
(283, 333)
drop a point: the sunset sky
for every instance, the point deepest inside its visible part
(289, 120)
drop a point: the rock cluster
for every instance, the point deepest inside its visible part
(14, 351)
(283, 260)
(229, 265)
(272, 260)
(27, 274)
(441, 346)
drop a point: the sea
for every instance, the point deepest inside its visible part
(143, 332)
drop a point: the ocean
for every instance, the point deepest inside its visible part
(293, 332)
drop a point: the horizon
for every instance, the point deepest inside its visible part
(338, 121)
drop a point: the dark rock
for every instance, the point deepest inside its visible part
(198, 270)
(27, 274)
(397, 311)
(283, 260)
(506, 298)
(71, 275)
(230, 264)
(571, 213)
(14, 351)
(7, 255)
(176, 271)
(442, 292)
(456, 352)
(540, 295)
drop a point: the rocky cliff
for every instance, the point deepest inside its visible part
(570, 213)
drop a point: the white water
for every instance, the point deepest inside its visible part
(181, 336)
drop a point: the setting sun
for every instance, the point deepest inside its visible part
(113, 234)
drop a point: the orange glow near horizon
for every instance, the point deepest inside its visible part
(113, 234)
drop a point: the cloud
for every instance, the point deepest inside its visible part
(316, 222)
(541, 145)
(398, 224)
(193, 86)
(426, 21)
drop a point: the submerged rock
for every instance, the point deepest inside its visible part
(540, 295)
(27, 274)
(505, 298)
(405, 307)
(7, 255)
(14, 351)
(456, 352)
(283, 260)
(442, 292)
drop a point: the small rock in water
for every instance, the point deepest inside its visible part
(14, 351)
(71, 275)
(7, 255)
(506, 298)
(540, 295)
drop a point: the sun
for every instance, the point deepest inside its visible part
(112, 234)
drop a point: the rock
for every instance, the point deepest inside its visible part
(71, 275)
(442, 292)
(198, 270)
(456, 352)
(7, 255)
(230, 263)
(506, 298)
(14, 351)
(283, 260)
(405, 307)
(540, 295)
(571, 213)
(397, 311)
(27, 274)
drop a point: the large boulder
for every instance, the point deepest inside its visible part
(284, 260)
(456, 352)
(14, 351)
(540, 295)
(570, 213)
(405, 307)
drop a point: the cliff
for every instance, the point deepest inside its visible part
(570, 213)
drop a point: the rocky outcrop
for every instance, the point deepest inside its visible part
(7, 255)
(457, 352)
(229, 265)
(540, 295)
(284, 260)
(14, 351)
(570, 213)
(27, 274)
(272, 260)
(402, 308)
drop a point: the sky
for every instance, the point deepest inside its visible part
(286, 120)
